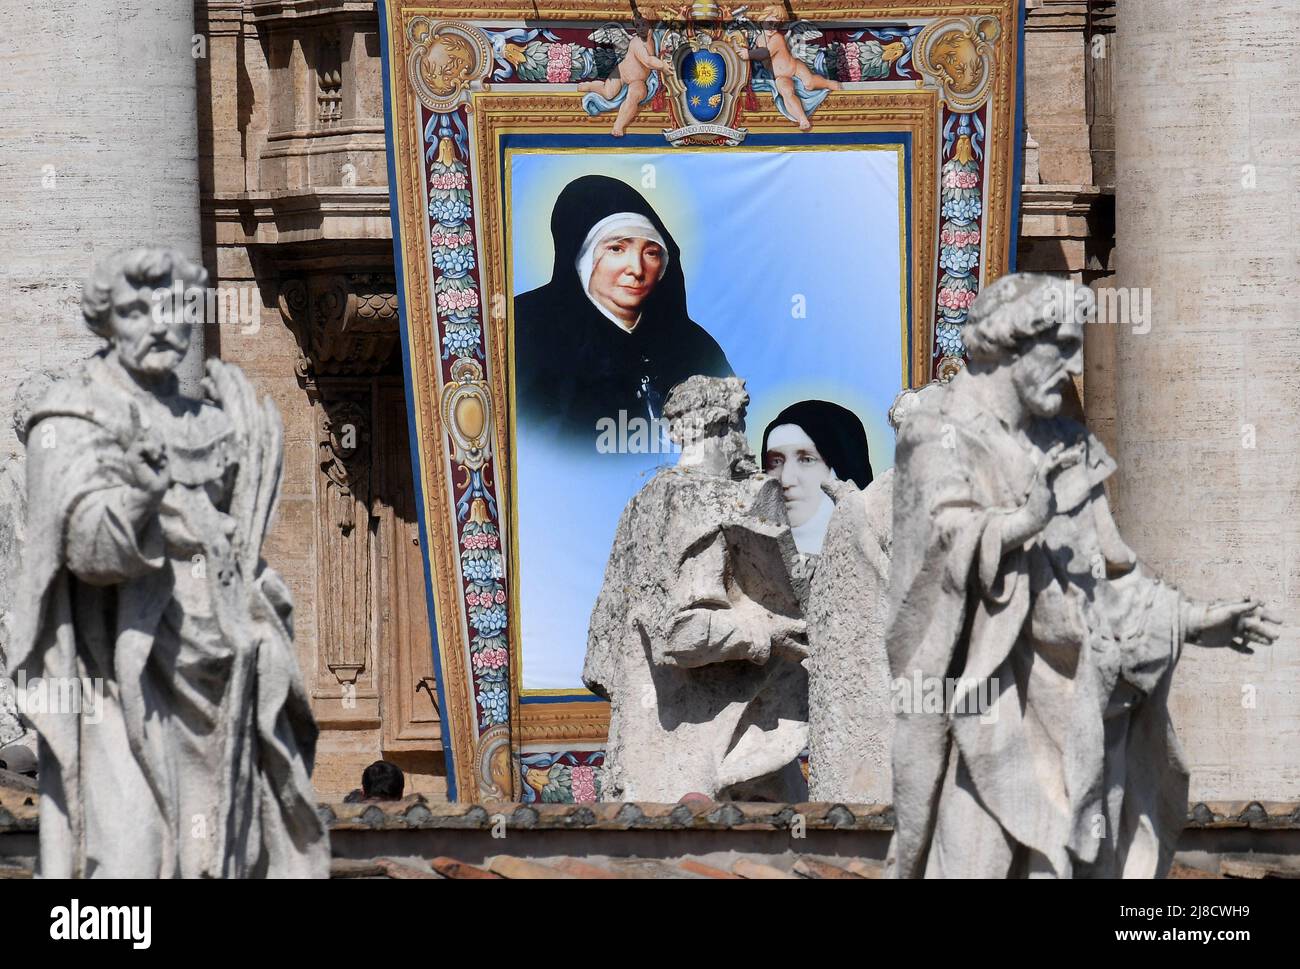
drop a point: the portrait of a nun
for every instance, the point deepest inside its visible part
(806, 445)
(610, 331)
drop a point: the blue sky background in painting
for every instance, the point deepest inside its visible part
(757, 230)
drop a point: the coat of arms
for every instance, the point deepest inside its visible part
(705, 89)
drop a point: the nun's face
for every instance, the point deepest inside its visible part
(625, 274)
(792, 458)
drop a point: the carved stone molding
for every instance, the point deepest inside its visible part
(344, 580)
(345, 452)
(346, 325)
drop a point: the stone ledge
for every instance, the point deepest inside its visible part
(19, 810)
(418, 812)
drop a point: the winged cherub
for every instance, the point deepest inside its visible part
(794, 82)
(629, 88)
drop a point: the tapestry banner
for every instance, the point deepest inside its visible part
(592, 202)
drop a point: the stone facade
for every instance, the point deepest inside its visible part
(295, 212)
(295, 220)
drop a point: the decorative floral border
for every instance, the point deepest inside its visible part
(561, 776)
(458, 304)
(961, 234)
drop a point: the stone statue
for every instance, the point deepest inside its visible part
(13, 520)
(1052, 752)
(697, 637)
(177, 739)
(850, 716)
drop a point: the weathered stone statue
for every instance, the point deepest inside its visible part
(13, 521)
(697, 637)
(850, 716)
(1054, 754)
(177, 739)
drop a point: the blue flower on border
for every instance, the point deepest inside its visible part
(482, 569)
(451, 212)
(948, 338)
(460, 341)
(495, 703)
(455, 262)
(959, 259)
(488, 622)
(963, 210)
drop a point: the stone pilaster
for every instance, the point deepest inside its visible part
(1207, 122)
(98, 152)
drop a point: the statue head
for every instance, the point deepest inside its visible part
(1030, 328)
(700, 407)
(143, 302)
(706, 416)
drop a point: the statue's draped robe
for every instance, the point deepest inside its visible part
(197, 762)
(850, 717)
(1075, 770)
(696, 590)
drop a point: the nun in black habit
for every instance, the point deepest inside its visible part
(805, 446)
(580, 358)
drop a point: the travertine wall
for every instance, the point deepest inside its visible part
(1208, 402)
(97, 153)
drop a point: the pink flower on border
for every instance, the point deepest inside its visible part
(500, 596)
(584, 783)
(956, 299)
(850, 64)
(489, 659)
(559, 63)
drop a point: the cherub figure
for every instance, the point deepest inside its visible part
(634, 84)
(798, 90)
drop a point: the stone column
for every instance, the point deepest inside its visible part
(1208, 402)
(98, 151)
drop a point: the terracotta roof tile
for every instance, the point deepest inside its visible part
(1181, 871)
(648, 868)
(405, 870)
(509, 867)
(581, 869)
(700, 868)
(812, 868)
(451, 868)
(865, 868)
(748, 868)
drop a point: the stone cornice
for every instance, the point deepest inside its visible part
(1077, 16)
(1070, 200)
(296, 216)
(276, 12)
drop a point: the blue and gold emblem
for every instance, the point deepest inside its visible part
(703, 73)
(706, 84)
